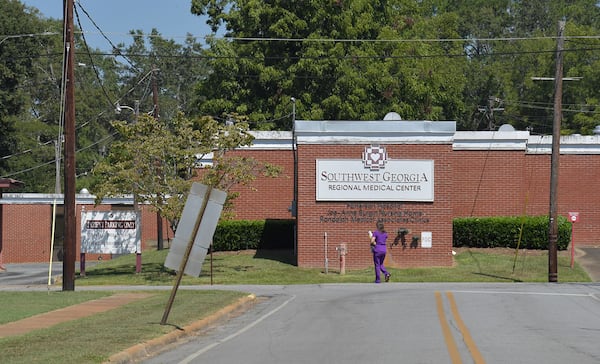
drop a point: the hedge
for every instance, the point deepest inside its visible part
(270, 234)
(473, 232)
(503, 232)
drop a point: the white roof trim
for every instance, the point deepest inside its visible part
(51, 198)
(382, 131)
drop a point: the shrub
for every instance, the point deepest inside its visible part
(503, 231)
(232, 235)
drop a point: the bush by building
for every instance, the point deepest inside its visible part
(507, 231)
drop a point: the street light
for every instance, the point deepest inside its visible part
(136, 111)
(26, 35)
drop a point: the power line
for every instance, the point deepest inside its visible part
(346, 40)
(105, 37)
(87, 50)
(320, 57)
(532, 105)
(104, 139)
(80, 126)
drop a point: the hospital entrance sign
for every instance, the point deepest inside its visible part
(374, 178)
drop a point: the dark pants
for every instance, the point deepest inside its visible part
(378, 259)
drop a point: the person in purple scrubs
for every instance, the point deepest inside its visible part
(378, 245)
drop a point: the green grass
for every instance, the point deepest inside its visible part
(20, 305)
(277, 268)
(94, 339)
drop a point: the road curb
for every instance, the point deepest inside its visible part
(152, 347)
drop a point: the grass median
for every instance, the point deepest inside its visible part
(94, 339)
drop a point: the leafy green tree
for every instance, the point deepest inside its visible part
(37, 125)
(339, 59)
(16, 53)
(174, 68)
(359, 59)
(157, 162)
(350, 59)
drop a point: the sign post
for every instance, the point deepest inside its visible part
(574, 217)
(194, 235)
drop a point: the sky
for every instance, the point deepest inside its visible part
(115, 18)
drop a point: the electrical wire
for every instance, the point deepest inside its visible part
(87, 50)
(345, 40)
(111, 136)
(80, 126)
(40, 165)
(105, 37)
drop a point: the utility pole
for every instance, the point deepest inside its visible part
(489, 111)
(70, 235)
(555, 163)
(159, 222)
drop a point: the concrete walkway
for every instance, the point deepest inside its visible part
(589, 259)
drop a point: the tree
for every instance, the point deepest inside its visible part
(17, 50)
(35, 51)
(340, 60)
(175, 68)
(358, 59)
(157, 161)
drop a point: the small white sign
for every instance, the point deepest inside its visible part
(110, 232)
(426, 239)
(574, 216)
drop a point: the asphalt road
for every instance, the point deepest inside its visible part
(390, 322)
(33, 275)
(405, 323)
(30, 274)
(393, 322)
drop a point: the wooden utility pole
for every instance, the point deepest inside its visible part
(70, 236)
(155, 113)
(555, 163)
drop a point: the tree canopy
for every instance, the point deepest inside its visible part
(436, 60)
(471, 61)
(157, 161)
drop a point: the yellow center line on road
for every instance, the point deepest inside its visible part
(450, 344)
(477, 357)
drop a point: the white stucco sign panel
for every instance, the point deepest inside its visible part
(110, 232)
(356, 180)
(205, 230)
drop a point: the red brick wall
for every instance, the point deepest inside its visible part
(513, 183)
(267, 197)
(27, 231)
(435, 217)
(489, 183)
(467, 183)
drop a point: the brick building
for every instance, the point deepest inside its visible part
(325, 184)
